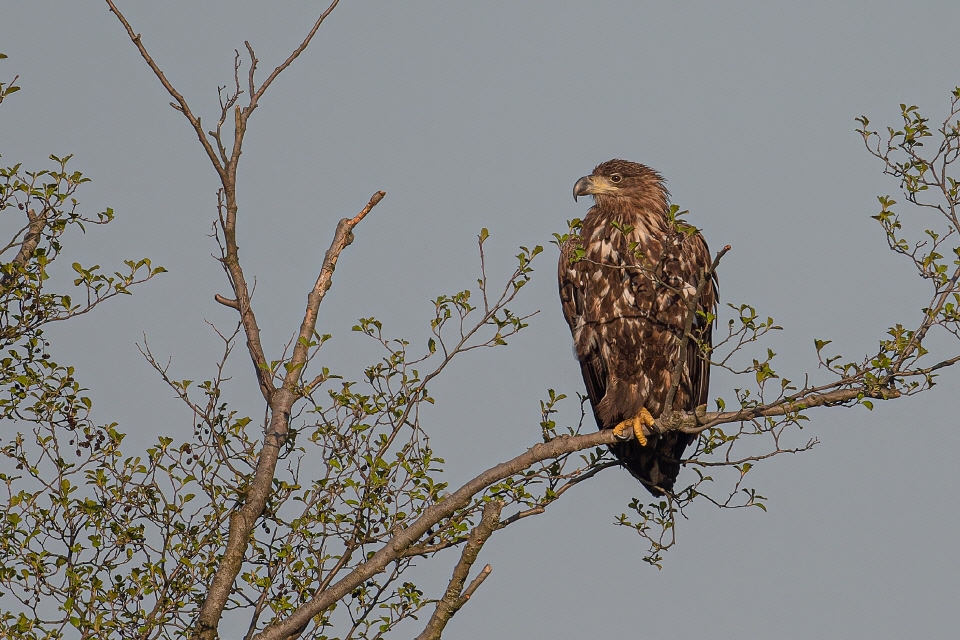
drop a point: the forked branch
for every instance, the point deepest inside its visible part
(281, 402)
(341, 240)
(455, 596)
(181, 103)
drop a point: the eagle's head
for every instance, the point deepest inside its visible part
(618, 180)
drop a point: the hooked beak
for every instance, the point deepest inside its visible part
(591, 186)
(582, 188)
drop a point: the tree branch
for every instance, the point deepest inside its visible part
(29, 244)
(397, 546)
(227, 302)
(455, 597)
(948, 292)
(281, 402)
(182, 105)
(341, 240)
(692, 422)
(242, 115)
(293, 56)
(227, 173)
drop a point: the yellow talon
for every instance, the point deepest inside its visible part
(636, 423)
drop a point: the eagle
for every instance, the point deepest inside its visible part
(627, 278)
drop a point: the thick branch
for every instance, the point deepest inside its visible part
(398, 545)
(281, 402)
(455, 597)
(431, 516)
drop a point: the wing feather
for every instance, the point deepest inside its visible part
(592, 364)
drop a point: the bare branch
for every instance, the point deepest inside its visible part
(286, 63)
(476, 582)
(341, 240)
(181, 103)
(227, 302)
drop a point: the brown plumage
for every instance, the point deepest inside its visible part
(623, 280)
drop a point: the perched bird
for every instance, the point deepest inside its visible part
(626, 280)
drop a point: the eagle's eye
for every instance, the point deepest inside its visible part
(615, 178)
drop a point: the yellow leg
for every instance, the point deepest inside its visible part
(636, 423)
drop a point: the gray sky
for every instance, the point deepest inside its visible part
(484, 116)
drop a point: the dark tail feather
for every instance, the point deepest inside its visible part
(656, 465)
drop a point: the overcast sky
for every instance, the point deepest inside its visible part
(484, 115)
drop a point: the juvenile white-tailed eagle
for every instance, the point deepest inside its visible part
(625, 280)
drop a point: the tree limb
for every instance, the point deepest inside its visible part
(455, 597)
(397, 546)
(691, 422)
(227, 173)
(227, 302)
(293, 56)
(29, 244)
(181, 103)
(341, 240)
(281, 402)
